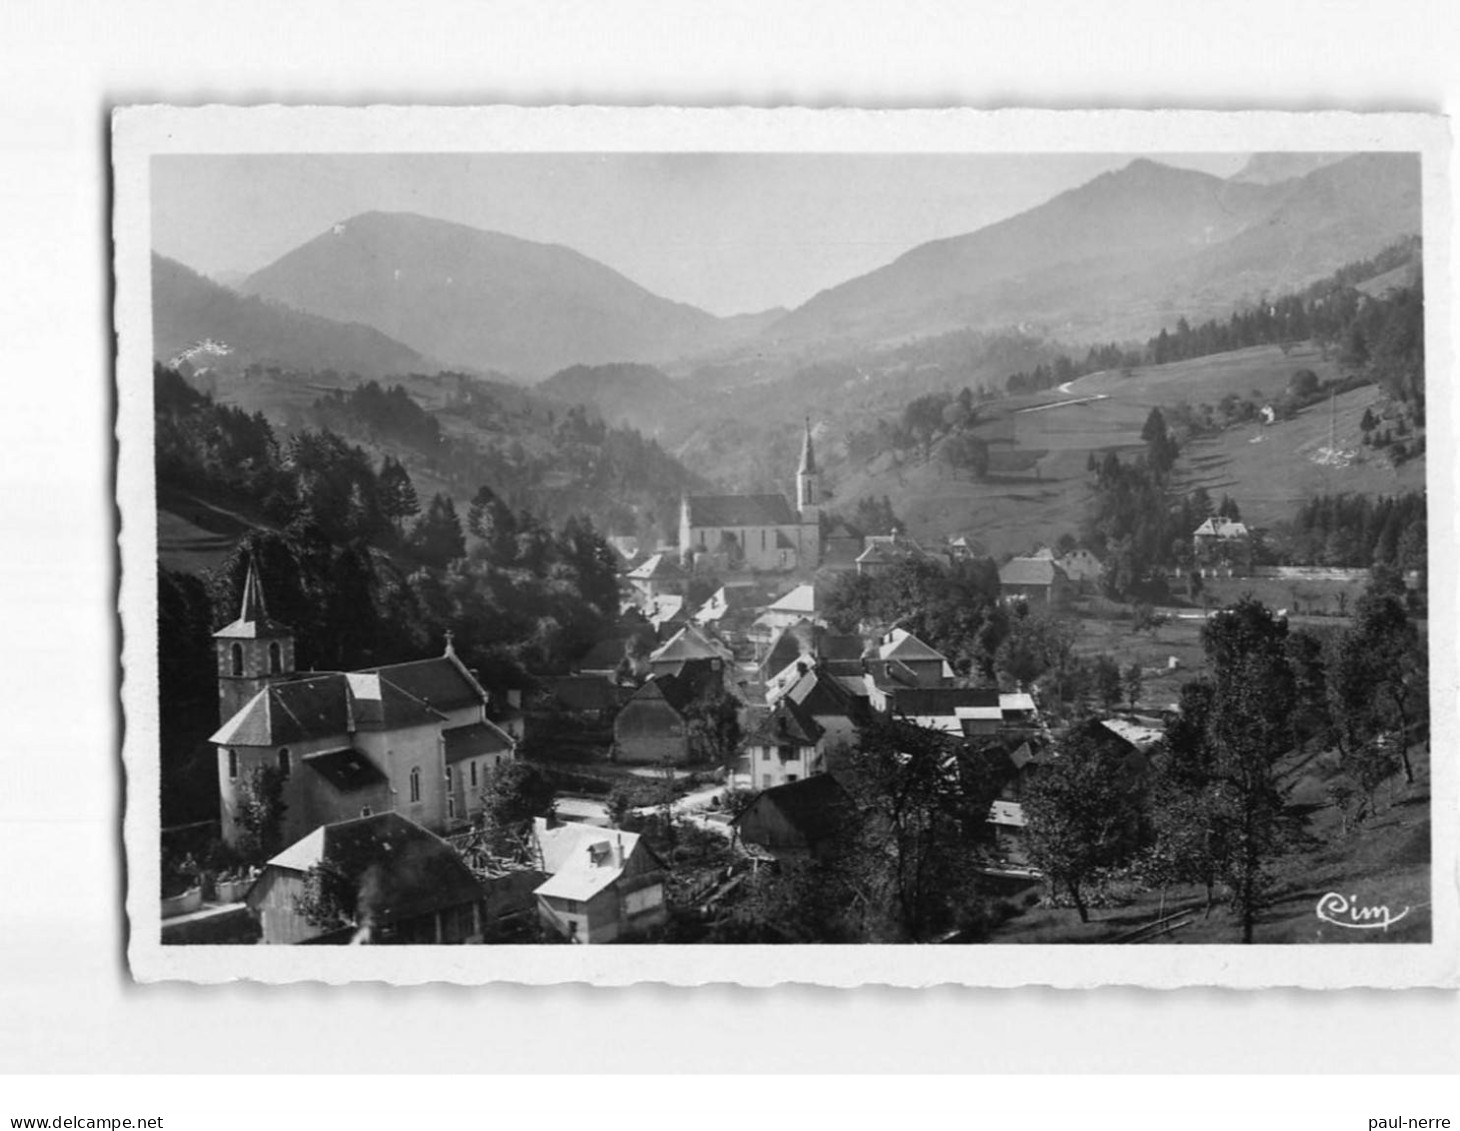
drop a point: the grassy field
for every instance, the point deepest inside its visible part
(1384, 860)
(1039, 488)
(193, 535)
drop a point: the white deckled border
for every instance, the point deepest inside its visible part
(141, 133)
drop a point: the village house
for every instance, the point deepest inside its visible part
(689, 646)
(1222, 543)
(803, 645)
(882, 553)
(727, 533)
(407, 885)
(785, 745)
(797, 820)
(397, 738)
(801, 603)
(603, 885)
(657, 576)
(1038, 580)
(653, 726)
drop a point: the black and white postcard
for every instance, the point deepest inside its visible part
(786, 546)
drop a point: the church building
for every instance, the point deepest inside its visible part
(412, 738)
(723, 533)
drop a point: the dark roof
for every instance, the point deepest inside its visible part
(819, 693)
(440, 682)
(788, 724)
(925, 701)
(584, 692)
(293, 711)
(789, 645)
(402, 871)
(346, 769)
(335, 704)
(814, 807)
(1029, 571)
(740, 510)
(693, 678)
(473, 741)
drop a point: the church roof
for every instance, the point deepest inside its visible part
(808, 454)
(740, 510)
(253, 621)
(346, 769)
(336, 704)
(474, 740)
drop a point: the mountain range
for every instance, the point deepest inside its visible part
(479, 299)
(1127, 252)
(1114, 259)
(215, 327)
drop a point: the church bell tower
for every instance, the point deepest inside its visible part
(808, 502)
(252, 652)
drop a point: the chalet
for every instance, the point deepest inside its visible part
(966, 549)
(603, 885)
(723, 533)
(799, 819)
(1037, 580)
(1222, 543)
(653, 726)
(396, 883)
(347, 744)
(836, 709)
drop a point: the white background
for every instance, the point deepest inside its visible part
(65, 1000)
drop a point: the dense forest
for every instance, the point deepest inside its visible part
(358, 567)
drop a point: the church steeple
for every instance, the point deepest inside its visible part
(253, 651)
(808, 480)
(808, 453)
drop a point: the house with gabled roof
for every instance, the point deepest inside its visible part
(688, 645)
(725, 533)
(1222, 542)
(603, 884)
(416, 738)
(653, 726)
(785, 745)
(658, 575)
(799, 819)
(1038, 580)
(396, 882)
(882, 553)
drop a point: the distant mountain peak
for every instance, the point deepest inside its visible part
(1273, 168)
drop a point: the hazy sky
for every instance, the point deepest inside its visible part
(731, 233)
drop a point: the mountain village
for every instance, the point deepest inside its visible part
(964, 660)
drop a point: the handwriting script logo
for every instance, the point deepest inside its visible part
(1345, 911)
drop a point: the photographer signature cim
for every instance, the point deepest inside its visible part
(1346, 911)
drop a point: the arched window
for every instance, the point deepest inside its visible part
(236, 653)
(233, 765)
(276, 658)
(415, 783)
(284, 763)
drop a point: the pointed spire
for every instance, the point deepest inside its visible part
(252, 608)
(808, 455)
